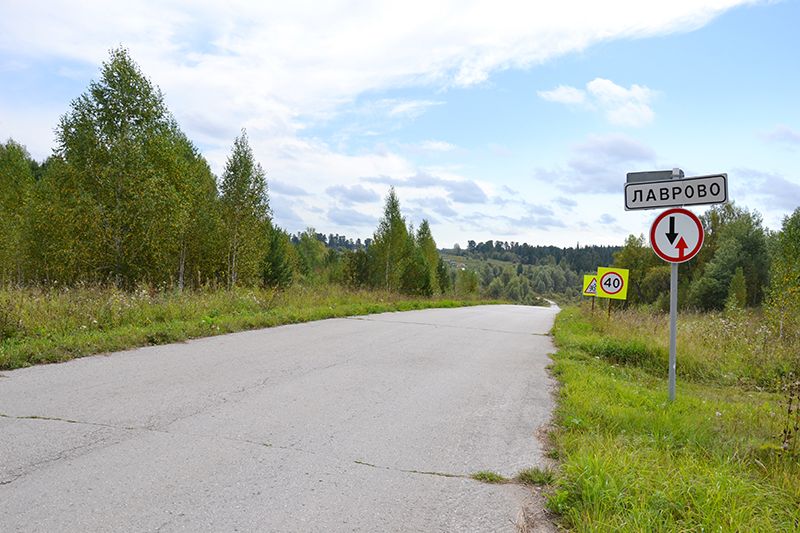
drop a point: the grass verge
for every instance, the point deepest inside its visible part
(711, 461)
(48, 326)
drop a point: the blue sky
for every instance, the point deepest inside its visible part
(494, 120)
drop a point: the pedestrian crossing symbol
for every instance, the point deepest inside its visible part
(590, 285)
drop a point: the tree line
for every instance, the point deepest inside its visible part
(126, 198)
(532, 271)
(741, 264)
(579, 259)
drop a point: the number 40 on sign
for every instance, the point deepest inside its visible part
(612, 283)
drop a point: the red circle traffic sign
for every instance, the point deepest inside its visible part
(615, 282)
(676, 235)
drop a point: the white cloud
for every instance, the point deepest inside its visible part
(277, 67)
(599, 165)
(436, 146)
(621, 106)
(355, 194)
(410, 108)
(564, 94)
(270, 63)
(458, 190)
(624, 107)
(784, 135)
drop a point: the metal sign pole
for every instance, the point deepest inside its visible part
(673, 326)
(677, 234)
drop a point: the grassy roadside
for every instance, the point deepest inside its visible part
(711, 461)
(46, 326)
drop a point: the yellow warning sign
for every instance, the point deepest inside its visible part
(590, 285)
(612, 283)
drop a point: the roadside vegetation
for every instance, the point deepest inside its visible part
(51, 325)
(723, 457)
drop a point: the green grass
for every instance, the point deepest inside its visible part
(535, 476)
(488, 476)
(530, 476)
(46, 326)
(633, 462)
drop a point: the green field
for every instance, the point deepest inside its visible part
(723, 457)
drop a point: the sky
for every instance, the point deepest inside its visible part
(513, 121)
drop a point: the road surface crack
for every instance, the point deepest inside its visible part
(63, 454)
(408, 471)
(75, 451)
(70, 421)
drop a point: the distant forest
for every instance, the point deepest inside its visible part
(580, 259)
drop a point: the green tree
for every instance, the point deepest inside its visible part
(784, 291)
(737, 239)
(16, 188)
(245, 212)
(416, 276)
(389, 250)
(638, 258)
(62, 231)
(123, 165)
(430, 253)
(711, 289)
(198, 222)
(737, 291)
(466, 284)
(655, 285)
(356, 268)
(442, 276)
(277, 269)
(312, 254)
(496, 289)
(517, 289)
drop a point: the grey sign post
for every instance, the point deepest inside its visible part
(677, 234)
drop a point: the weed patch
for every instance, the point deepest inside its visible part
(535, 476)
(487, 476)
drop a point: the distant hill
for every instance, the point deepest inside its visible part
(580, 259)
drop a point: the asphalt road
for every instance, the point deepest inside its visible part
(358, 424)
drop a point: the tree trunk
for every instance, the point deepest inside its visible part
(181, 266)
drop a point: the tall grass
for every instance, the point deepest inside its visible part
(42, 325)
(727, 348)
(712, 460)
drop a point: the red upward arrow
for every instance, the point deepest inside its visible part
(681, 246)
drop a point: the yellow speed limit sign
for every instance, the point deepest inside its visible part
(612, 283)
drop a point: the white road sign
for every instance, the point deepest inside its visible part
(699, 190)
(676, 235)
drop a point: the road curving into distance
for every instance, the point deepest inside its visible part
(360, 424)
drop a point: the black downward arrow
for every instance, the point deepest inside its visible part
(671, 235)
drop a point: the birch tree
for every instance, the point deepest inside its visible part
(118, 142)
(245, 211)
(389, 249)
(16, 184)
